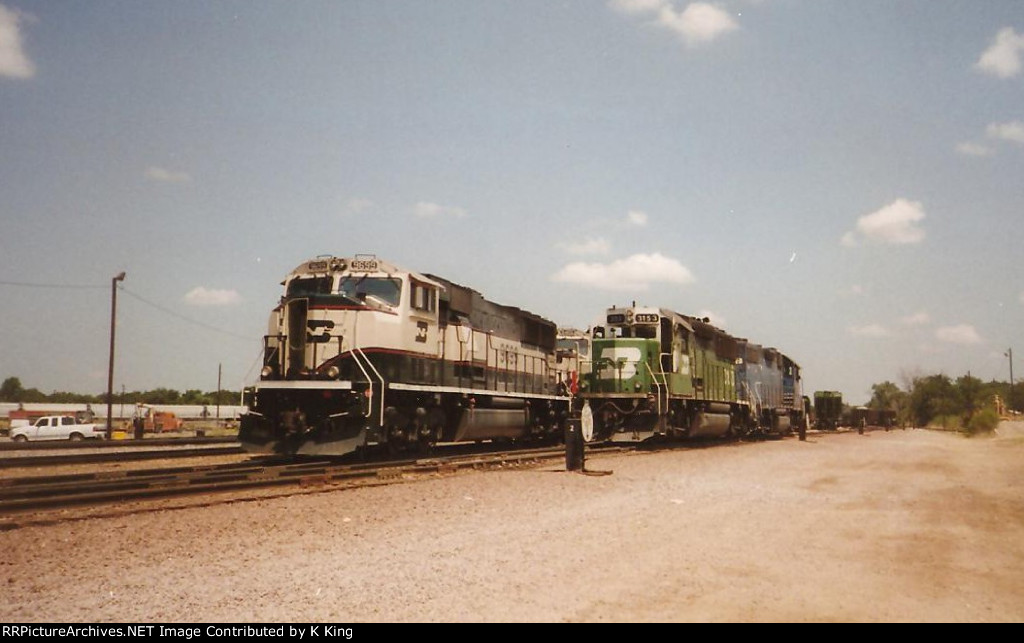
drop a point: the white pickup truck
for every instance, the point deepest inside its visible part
(57, 427)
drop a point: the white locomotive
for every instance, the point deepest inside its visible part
(361, 353)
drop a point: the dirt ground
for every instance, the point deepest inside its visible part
(912, 525)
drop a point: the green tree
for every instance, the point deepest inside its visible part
(195, 396)
(931, 397)
(11, 390)
(162, 396)
(887, 396)
(1015, 397)
(971, 396)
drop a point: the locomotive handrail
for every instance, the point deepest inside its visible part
(383, 386)
(664, 375)
(355, 358)
(274, 351)
(657, 384)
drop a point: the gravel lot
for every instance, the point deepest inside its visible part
(899, 526)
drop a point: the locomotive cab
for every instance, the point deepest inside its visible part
(640, 352)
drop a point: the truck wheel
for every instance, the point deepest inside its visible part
(76, 437)
(20, 438)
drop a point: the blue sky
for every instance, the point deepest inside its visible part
(842, 180)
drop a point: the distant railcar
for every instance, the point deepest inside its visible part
(828, 410)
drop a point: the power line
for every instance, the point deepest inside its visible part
(184, 318)
(25, 284)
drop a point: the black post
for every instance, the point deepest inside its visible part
(110, 368)
(574, 457)
(218, 394)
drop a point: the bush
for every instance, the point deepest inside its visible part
(946, 422)
(984, 421)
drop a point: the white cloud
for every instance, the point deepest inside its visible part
(637, 218)
(1012, 131)
(637, 272)
(961, 334)
(200, 296)
(427, 210)
(637, 6)
(167, 176)
(14, 63)
(698, 23)
(896, 223)
(1002, 58)
(869, 330)
(357, 206)
(974, 149)
(917, 319)
(588, 247)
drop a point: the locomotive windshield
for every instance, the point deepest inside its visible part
(309, 286)
(387, 290)
(643, 332)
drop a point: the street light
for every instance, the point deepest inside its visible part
(110, 369)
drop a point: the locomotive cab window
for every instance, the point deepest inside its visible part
(309, 286)
(645, 332)
(387, 290)
(423, 297)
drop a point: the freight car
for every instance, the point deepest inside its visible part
(828, 410)
(656, 372)
(362, 354)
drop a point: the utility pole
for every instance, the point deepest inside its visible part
(110, 369)
(218, 393)
(1009, 397)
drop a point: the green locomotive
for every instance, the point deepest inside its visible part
(657, 372)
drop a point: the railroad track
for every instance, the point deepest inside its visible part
(22, 496)
(135, 454)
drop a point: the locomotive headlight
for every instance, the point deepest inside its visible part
(267, 372)
(637, 386)
(333, 372)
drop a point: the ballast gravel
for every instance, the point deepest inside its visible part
(910, 525)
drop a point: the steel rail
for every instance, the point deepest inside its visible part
(24, 494)
(120, 456)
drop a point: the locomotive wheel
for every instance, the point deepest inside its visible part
(393, 446)
(425, 445)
